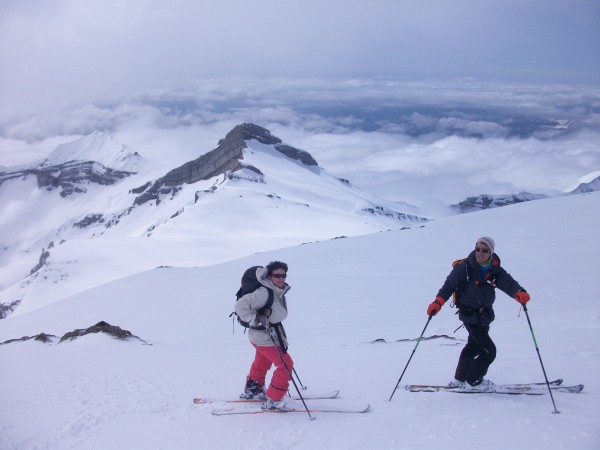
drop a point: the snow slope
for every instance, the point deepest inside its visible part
(97, 392)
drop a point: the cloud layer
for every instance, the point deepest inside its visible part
(423, 143)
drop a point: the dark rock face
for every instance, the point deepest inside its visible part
(89, 220)
(486, 201)
(71, 177)
(43, 257)
(8, 308)
(378, 210)
(293, 153)
(224, 158)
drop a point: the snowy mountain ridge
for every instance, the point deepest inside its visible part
(252, 187)
(91, 195)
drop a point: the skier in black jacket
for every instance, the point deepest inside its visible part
(474, 280)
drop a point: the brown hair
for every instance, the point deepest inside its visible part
(274, 265)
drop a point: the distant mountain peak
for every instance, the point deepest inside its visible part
(486, 201)
(249, 131)
(70, 177)
(99, 147)
(589, 183)
(224, 158)
(97, 158)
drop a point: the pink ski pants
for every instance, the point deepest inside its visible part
(263, 360)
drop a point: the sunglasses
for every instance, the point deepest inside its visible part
(279, 275)
(485, 251)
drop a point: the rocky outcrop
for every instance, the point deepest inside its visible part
(378, 210)
(236, 139)
(100, 327)
(43, 258)
(88, 220)
(224, 158)
(71, 177)
(7, 308)
(485, 201)
(42, 337)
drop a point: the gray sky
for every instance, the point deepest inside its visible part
(68, 52)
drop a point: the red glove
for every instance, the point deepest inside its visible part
(435, 306)
(522, 297)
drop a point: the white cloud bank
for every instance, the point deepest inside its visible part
(396, 138)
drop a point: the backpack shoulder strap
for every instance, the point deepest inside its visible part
(456, 294)
(456, 262)
(278, 327)
(268, 306)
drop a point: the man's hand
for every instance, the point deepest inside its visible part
(435, 306)
(522, 297)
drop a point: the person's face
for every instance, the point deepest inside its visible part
(482, 252)
(278, 277)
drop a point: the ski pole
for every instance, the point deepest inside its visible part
(411, 355)
(540, 358)
(298, 378)
(282, 346)
(290, 374)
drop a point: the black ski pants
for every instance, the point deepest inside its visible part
(477, 355)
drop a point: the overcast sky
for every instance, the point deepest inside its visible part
(73, 51)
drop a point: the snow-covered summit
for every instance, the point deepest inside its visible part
(99, 147)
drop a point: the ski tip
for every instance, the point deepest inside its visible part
(202, 400)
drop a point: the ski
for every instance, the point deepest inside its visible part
(306, 396)
(537, 389)
(347, 409)
(556, 382)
